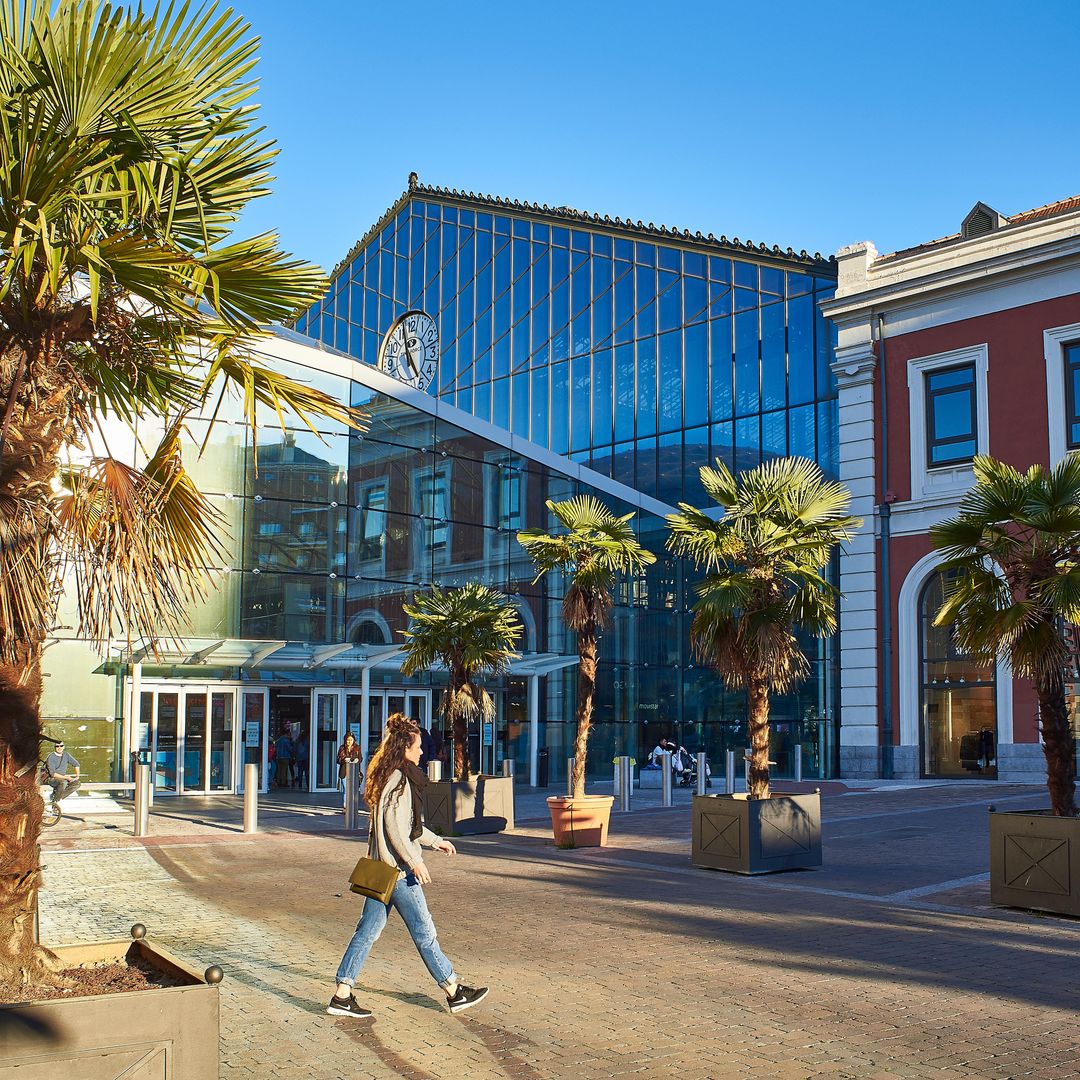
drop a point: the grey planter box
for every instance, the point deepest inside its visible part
(484, 804)
(756, 836)
(164, 1034)
(1035, 861)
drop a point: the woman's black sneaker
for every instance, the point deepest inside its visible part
(465, 998)
(346, 1007)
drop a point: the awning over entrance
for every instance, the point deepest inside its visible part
(252, 653)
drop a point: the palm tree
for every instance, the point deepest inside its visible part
(596, 549)
(1013, 556)
(764, 560)
(127, 153)
(472, 632)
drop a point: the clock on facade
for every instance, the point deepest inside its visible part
(410, 350)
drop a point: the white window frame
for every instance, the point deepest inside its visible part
(365, 488)
(945, 480)
(494, 534)
(441, 555)
(1054, 341)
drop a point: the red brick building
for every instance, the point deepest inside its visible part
(968, 344)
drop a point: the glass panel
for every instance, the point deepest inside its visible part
(800, 350)
(747, 391)
(696, 375)
(646, 387)
(624, 392)
(773, 366)
(326, 740)
(950, 415)
(720, 368)
(194, 741)
(221, 741)
(168, 709)
(671, 388)
(254, 708)
(375, 724)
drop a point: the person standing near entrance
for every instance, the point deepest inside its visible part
(303, 752)
(283, 753)
(395, 795)
(348, 751)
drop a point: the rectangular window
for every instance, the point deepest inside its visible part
(951, 416)
(373, 523)
(434, 491)
(1072, 393)
(508, 499)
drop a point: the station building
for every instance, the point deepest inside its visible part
(967, 344)
(573, 354)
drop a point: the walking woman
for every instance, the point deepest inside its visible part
(395, 794)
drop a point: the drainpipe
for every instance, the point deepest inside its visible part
(884, 516)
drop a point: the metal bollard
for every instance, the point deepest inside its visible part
(251, 798)
(570, 775)
(434, 771)
(624, 782)
(702, 765)
(746, 767)
(508, 766)
(665, 779)
(729, 773)
(352, 796)
(142, 799)
(798, 762)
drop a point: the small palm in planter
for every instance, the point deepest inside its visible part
(594, 551)
(472, 631)
(764, 560)
(127, 153)
(1012, 560)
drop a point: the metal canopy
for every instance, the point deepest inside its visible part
(251, 653)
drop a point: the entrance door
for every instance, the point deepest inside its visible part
(253, 735)
(164, 738)
(326, 738)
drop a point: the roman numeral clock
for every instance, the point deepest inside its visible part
(410, 350)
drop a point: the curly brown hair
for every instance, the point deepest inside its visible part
(400, 732)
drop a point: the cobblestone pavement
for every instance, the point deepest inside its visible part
(621, 962)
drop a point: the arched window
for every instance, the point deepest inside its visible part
(956, 697)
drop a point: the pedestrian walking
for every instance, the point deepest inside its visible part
(395, 794)
(348, 751)
(283, 758)
(300, 763)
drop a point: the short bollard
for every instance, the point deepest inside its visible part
(702, 771)
(665, 779)
(746, 766)
(798, 762)
(352, 796)
(508, 766)
(624, 781)
(434, 771)
(729, 773)
(251, 798)
(570, 775)
(142, 799)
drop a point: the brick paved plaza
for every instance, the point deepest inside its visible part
(622, 962)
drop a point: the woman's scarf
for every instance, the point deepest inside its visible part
(417, 780)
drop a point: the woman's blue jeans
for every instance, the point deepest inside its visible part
(408, 899)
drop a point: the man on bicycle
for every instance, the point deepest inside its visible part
(61, 773)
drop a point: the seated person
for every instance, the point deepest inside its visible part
(61, 773)
(662, 747)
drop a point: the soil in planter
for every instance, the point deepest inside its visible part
(93, 980)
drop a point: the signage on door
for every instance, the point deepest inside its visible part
(489, 734)
(252, 731)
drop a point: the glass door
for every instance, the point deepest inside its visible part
(417, 708)
(166, 723)
(193, 740)
(220, 764)
(326, 738)
(253, 711)
(376, 716)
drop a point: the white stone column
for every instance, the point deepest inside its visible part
(855, 368)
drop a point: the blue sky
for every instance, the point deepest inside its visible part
(810, 125)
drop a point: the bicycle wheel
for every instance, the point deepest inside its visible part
(51, 815)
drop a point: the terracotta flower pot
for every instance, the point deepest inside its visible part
(580, 822)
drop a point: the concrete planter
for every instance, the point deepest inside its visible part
(484, 804)
(170, 1033)
(756, 836)
(1035, 861)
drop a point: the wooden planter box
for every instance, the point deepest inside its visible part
(1035, 861)
(170, 1033)
(484, 804)
(756, 836)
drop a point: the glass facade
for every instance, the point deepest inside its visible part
(640, 354)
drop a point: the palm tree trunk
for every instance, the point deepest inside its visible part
(22, 961)
(587, 653)
(757, 720)
(459, 721)
(1058, 746)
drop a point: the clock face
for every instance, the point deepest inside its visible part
(410, 350)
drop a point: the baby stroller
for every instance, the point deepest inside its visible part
(686, 769)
